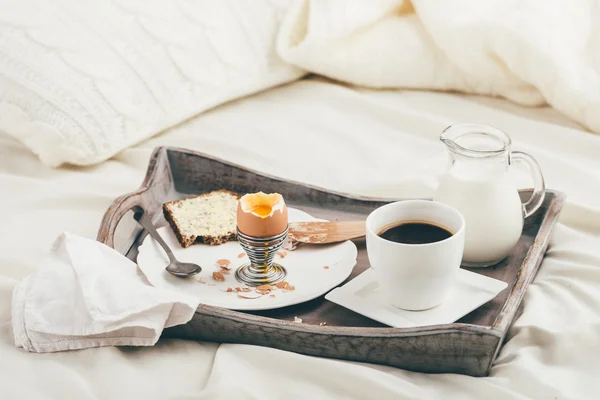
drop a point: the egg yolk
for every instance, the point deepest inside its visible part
(261, 210)
(260, 204)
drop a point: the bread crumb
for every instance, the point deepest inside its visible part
(326, 267)
(322, 323)
(246, 290)
(229, 290)
(282, 253)
(289, 288)
(272, 295)
(241, 255)
(202, 280)
(298, 320)
(218, 276)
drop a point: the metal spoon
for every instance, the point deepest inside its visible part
(175, 267)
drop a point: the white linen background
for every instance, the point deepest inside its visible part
(529, 51)
(369, 143)
(81, 81)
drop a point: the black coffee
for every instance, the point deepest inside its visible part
(415, 232)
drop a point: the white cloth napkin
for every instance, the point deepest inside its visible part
(86, 294)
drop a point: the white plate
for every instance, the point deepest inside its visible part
(362, 295)
(304, 266)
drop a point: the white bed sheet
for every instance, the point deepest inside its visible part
(370, 143)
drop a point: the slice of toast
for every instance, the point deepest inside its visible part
(209, 218)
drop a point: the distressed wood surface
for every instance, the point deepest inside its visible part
(468, 346)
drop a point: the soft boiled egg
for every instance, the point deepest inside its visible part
(262, 215)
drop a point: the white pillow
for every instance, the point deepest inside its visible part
(81, 81)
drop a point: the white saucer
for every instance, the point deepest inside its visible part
(305, 267)
(362, 295)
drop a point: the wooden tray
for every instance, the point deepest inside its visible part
(468, 346)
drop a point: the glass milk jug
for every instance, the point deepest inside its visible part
(477, 183)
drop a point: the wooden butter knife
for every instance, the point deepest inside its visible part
(326, 232)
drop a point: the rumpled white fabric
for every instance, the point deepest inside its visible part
(531, 52)
(86, 294)
(82, 80)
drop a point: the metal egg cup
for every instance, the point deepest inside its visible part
(261, 270)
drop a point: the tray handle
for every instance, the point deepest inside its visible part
(112, 217)
(157, 185)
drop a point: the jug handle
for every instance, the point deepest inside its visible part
(539, 187)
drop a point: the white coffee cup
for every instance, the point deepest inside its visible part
(415, 276)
